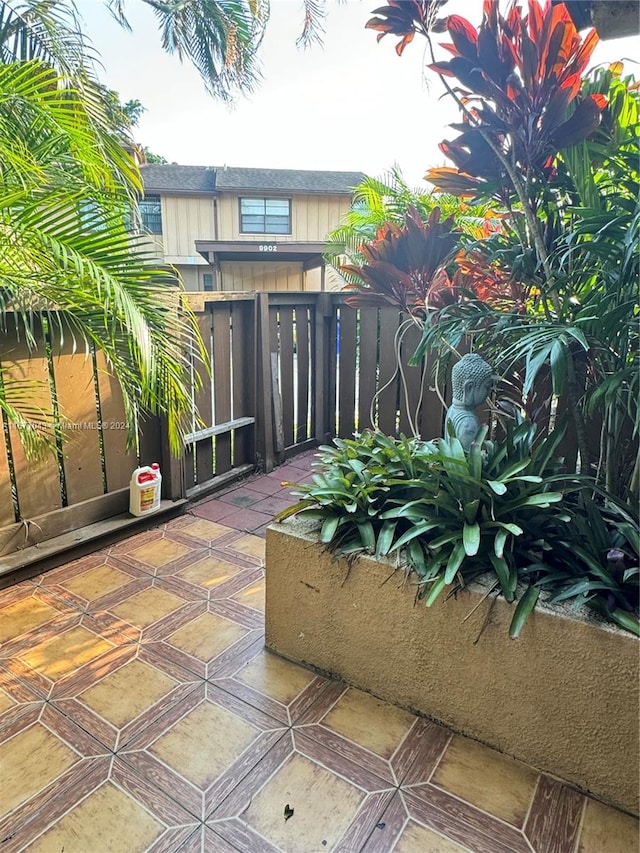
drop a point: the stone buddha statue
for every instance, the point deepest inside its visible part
(472, 380)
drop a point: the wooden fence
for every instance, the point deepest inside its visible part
(287, 371)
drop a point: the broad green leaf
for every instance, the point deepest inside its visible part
(438, 585)
(456, 558)
(513, 469)
(515, 529)
(497, 487)
(504, 575)
(416, 556)
(524, 609)
(471, 539)
(542, 500)
(385, 537)
(626, 620)
(439, 541)
(416, 530)
(329, 528)
(470, 510)
(498, 544)
(367, 534)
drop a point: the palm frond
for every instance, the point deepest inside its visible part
(86, 275)
(313, 23)
(48, 30)
(219, 37)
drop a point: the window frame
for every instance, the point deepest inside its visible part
(143, 225)
(265, 199)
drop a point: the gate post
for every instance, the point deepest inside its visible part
(264, 399)
(324, 366)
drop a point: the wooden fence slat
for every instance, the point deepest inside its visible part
(37, 481)
(119, 462)
(347, 372)
(264, 403)
(203, 402)
(323, 402)
(368, 365)
(286, 373)
(568, 447)
(303, 390)
(274, 386)
(6, 501)
(75, 390)
(388, 398)
(222, 384)
(432, 411)
(150, 439)
(409, 412)
(244, 385)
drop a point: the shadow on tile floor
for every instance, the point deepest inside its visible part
(139, 711)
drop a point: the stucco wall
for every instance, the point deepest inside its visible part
(563, 698)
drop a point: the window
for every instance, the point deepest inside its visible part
(151, 214)
(91, 216)
(207, 281)
(265, 215)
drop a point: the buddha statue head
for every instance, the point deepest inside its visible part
(472, 380)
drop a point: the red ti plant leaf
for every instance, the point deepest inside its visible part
(402, 264)
(464, 36)
(404, 18)
(523, 73)
(480, 276)
(582, 123)
(454, 181)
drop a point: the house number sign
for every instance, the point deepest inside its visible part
(268, 247)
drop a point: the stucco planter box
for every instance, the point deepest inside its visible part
(563, 698)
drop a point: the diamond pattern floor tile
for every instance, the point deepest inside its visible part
(60, 655)
(139, 711)
(30, 761)
(23, 616)
(486, 779)
(322, 804)
(121, 824)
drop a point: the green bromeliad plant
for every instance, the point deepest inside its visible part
(449, 517)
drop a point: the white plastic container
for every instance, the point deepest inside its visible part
(144, 490)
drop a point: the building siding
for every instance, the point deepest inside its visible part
(312, 217)
(251, 275)
(190, 217)
(186, 219)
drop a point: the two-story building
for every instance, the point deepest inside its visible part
(233, 229)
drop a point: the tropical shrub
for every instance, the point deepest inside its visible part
(559, 151)
(449, 516)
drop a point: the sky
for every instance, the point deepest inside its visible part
(350, 105)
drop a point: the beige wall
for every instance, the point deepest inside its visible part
(270, 275)
(193, 275)
(312, 217)
(186, 219)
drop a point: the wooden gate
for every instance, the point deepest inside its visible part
(222, 443)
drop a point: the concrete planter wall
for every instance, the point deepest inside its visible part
(563, 698)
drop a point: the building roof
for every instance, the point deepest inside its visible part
(198, 179)
(172, 178)
(287, 180)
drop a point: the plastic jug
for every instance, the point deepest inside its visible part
(144, 490)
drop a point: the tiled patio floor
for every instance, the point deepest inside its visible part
(140, 712)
